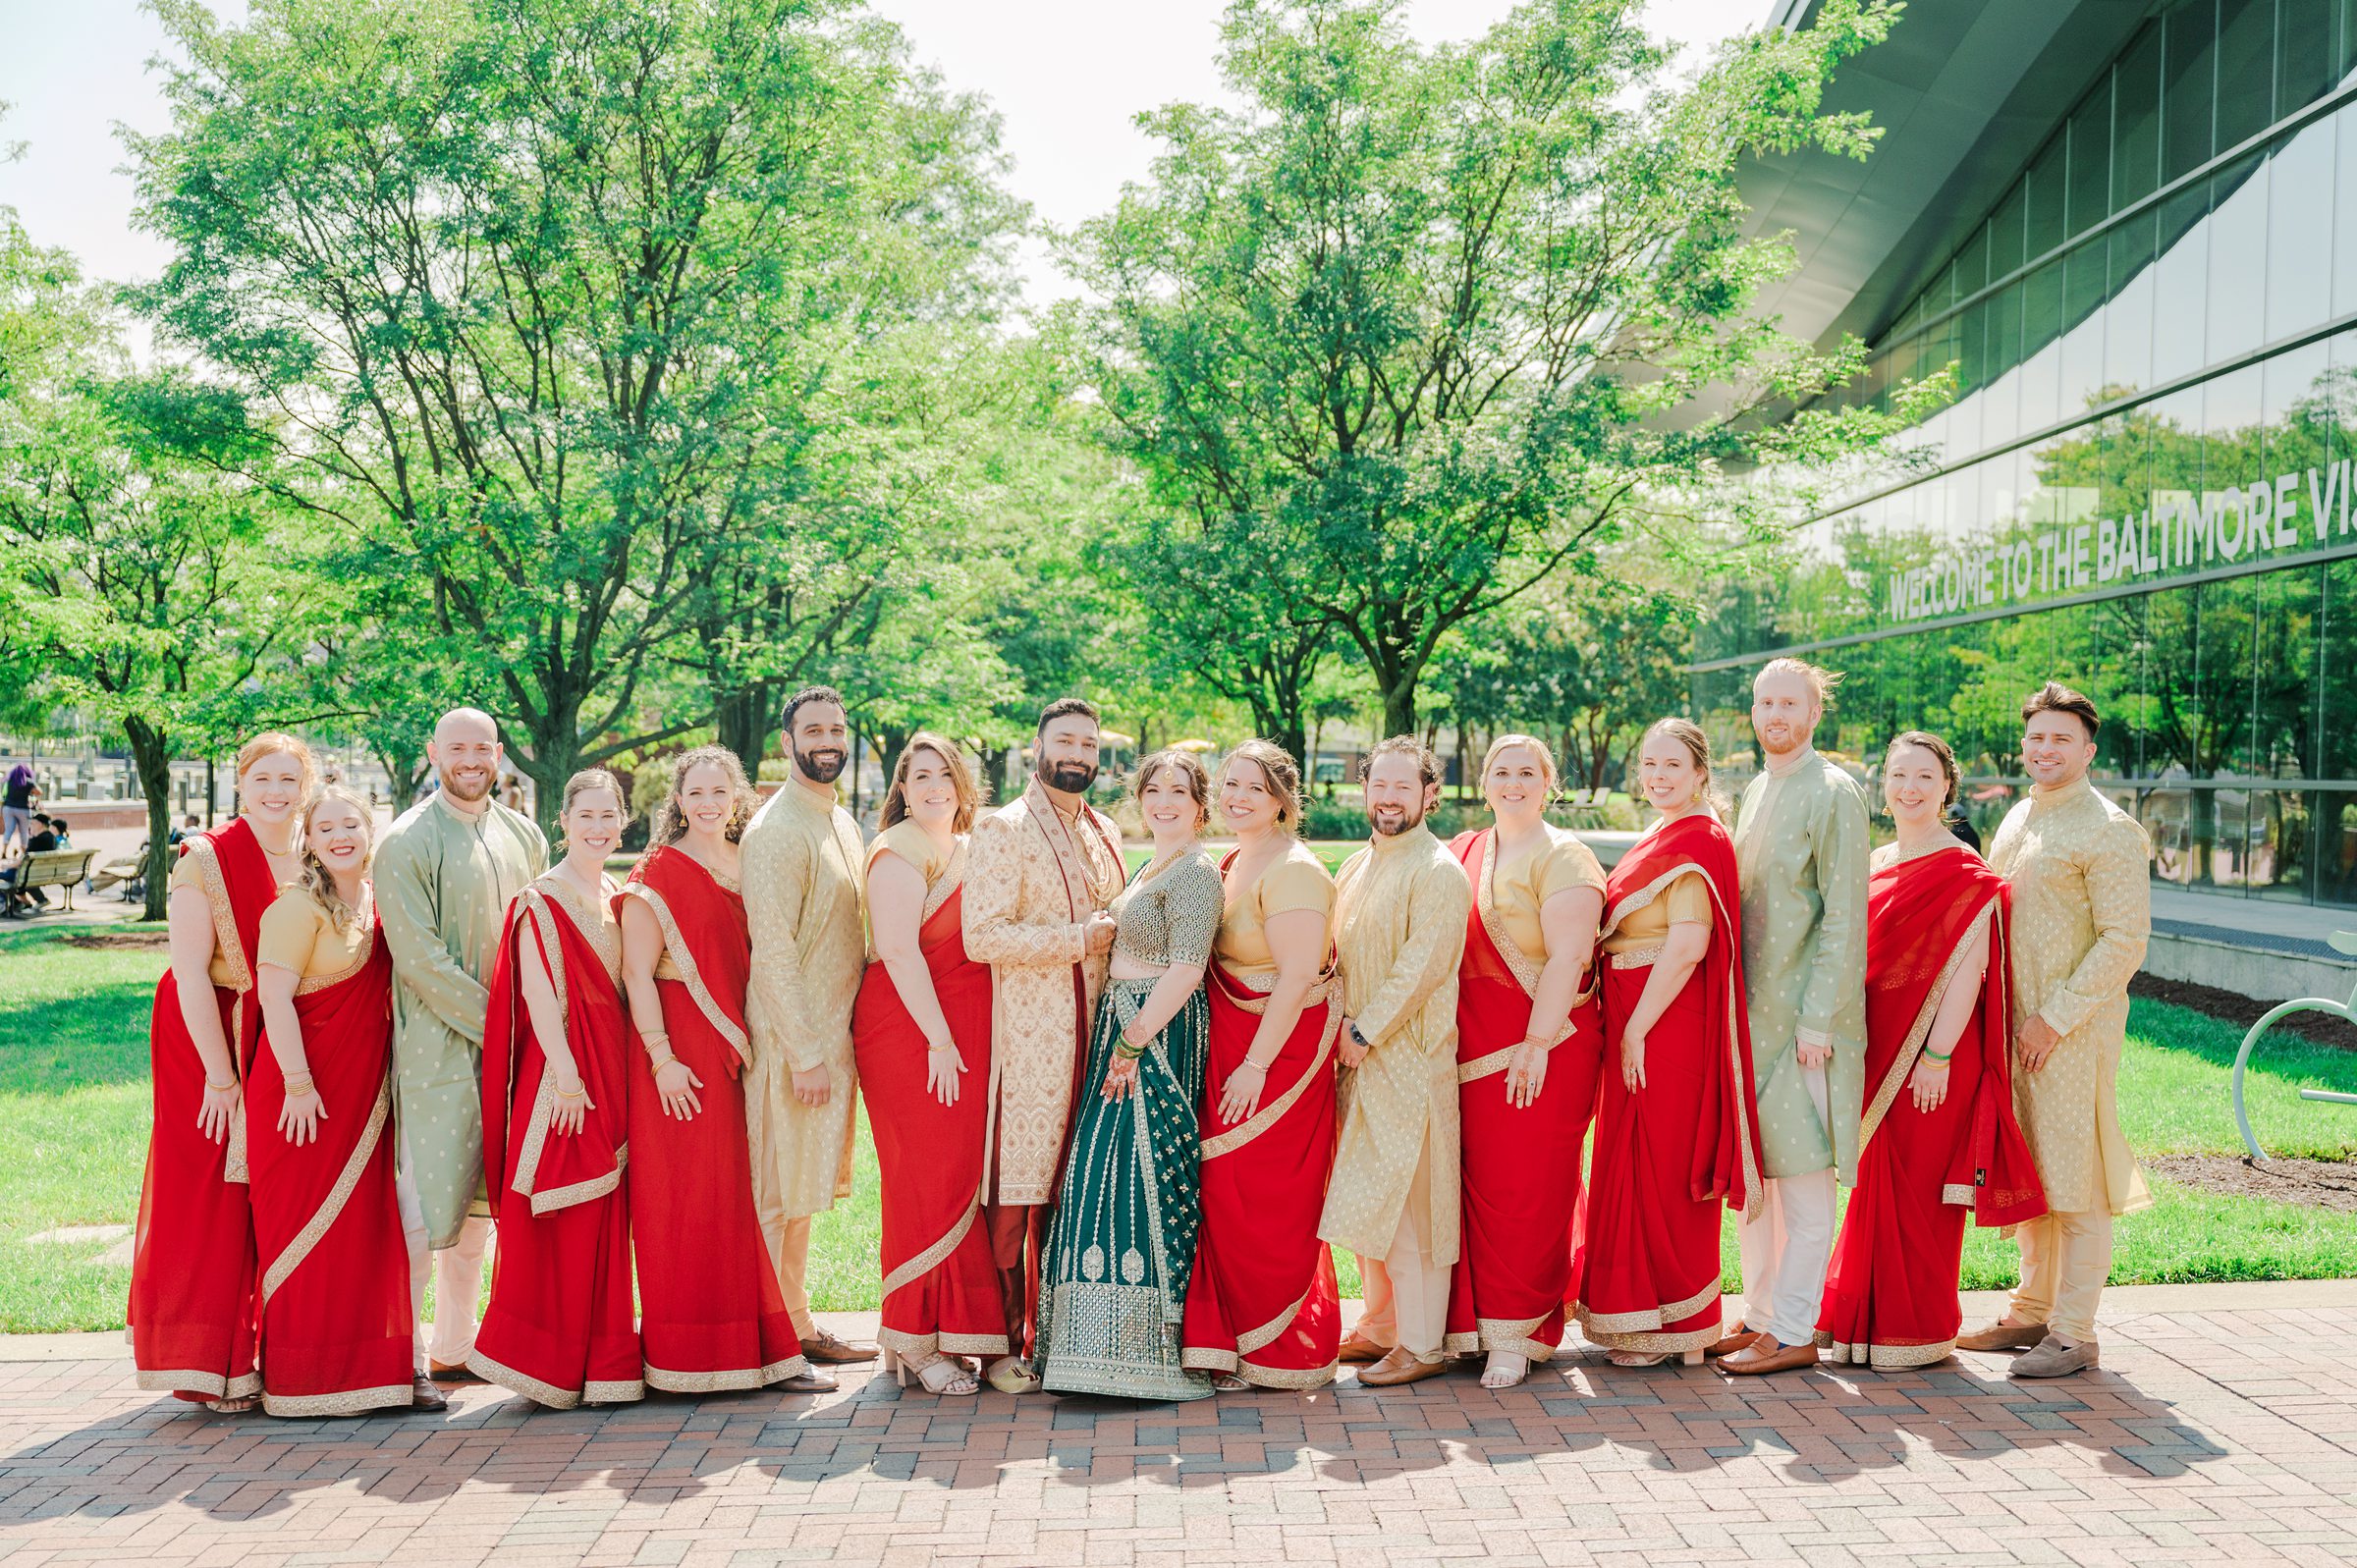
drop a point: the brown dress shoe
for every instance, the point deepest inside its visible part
(824, 1349)
(1359, 1351)
(1738, 1339)
(1763, 1356)
(423, 1395)
(447, 1372)
(1400, 1367)
(2050, 1358)
(2003, 1335)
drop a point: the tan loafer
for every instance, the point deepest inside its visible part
(826, 1350)
(1401, 1366)
(1763, 1356)
(2052, 1359)
(2003, 1335)
(808, 1382)
(1738, 1339)
(1357, 1351)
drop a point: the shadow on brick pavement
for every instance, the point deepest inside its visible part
(2208, 1437)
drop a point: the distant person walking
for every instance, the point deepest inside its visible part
(16, 815)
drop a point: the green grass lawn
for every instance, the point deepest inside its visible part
(74, 1110)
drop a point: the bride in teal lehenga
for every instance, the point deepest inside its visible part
(1123, 1243)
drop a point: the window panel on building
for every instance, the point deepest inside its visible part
(2189, 84)
(2086, 199)
(2344, 199)
(2043, 187)
(2128, 317)
(2086, 279)
(2136, 119)
(2238, 213)
(2299, 238)
(2180, 288)
(2246, 70)
(2307, 52)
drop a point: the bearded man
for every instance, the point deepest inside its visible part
(804, 899)
(1040, 872)
(444, 873)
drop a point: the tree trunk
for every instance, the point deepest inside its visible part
(994, 773)
(1398, 707)
(741, 722)
(889, 745)
(151, 756)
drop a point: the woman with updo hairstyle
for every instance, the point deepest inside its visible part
(561, 1328)
(1939, 1140)
(1529, 1041)
(922, 1036)
(337, 1335)
(1676, 1135)
(193, 1307)
(1121, 1251)
(1263, 1309)
(711, 1316)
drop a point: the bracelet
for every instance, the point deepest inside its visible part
(301, 1083)
(582, 1093)
(654, 1036)
(219, 1087)
(942, 1045)
(1931, 1056)
(658, 1064)
(1261, 1067)
(1127, 1051)
(1540, 1041)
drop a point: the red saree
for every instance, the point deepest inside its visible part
(193, 1309)
(560, 1327)
(1890, 1293)
(710, 1315)
(942, 1292)
(1261, 1303)
(1520, 1165)
(337, 1332)
(1668, 1154)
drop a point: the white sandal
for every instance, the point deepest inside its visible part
(1013, 1375)
(943, 1375)
(1507, 1368)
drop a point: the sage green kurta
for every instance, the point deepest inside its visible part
(1801, 850)
(443, 882)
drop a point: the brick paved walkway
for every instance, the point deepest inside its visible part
(2224, 1425)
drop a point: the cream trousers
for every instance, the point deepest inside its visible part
(2065, 1259)
(1406, 1292)
(456, 1271)
(1787, 1242)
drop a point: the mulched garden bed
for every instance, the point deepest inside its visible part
(2233, 1008)
(2313, 1184)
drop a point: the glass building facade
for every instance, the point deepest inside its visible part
(2143, 484)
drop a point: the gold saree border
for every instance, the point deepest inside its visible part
(675, 946)
(1919, 1032)
(349, 1402)
(732, 1380)
(235, 1167)
(331, 1208)
(1268, 1115)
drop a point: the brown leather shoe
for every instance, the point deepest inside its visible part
(423, 1395)
(1738, 1339)
(1400, 1367)
(824, 1349)
(447, 1372)
(1763, 1356)
(2052, 1359)
(808, 1382)
(2003, 1335)
(1360, 1351)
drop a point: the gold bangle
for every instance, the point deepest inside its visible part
(582, 1093)
(657, 1064)
(219, 1087)
(1262, 1067)
(305, 1079)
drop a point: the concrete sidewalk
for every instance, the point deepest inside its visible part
(2222, 1427)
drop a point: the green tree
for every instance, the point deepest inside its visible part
(539, 296)
(145, 582)
(1406, 315)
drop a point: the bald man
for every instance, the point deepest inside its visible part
(444, 874)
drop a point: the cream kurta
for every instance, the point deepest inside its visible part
(1398, 934)
(2082, 911)
(1032, 880)
(804, 899)
(443, 882)
(1802, 846)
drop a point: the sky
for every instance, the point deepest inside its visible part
(1066, 76)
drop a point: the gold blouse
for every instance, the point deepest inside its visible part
(185, 874)
(1294, 880)
(298, 934)
(1687, 899)
(1520, 888)
(913, 844)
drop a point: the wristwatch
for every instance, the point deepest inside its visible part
(1359, 1040)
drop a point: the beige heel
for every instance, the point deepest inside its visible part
(1692, 1358)
(893, 1364)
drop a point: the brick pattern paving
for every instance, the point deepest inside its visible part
(2209, 1437)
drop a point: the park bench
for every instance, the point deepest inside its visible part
(51, 868)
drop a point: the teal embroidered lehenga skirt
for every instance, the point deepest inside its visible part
(1112, 1279)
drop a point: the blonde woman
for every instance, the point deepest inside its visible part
(1263, 1308)
(337, 1338)
(1675, 1134)
(193, 1274)
(1529, 1041)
